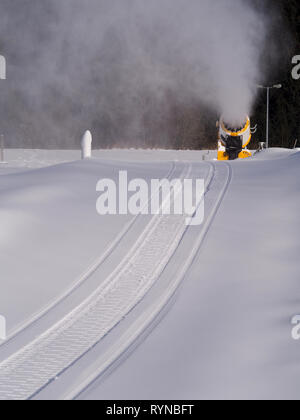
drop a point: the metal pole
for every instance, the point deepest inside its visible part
(268, 111)
(2, 148)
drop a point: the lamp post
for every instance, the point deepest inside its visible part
(2, 77)
(268, 88)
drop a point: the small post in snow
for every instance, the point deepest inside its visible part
(2, 148)
(2, 328)
(86, 145)
(2, 68)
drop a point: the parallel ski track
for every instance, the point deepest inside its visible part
(144, 324)
(30, 369)
(84, 276)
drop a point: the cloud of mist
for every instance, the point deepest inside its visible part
(116, 66)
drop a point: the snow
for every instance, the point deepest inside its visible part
(51, 232)
(20, 159)
(274, 153)
(227, 332)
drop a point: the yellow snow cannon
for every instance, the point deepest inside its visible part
(233, 141)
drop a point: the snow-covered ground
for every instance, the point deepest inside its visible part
(208, 317)
(30, 159)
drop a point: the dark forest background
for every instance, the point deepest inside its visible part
(284, 103)
(58, 120)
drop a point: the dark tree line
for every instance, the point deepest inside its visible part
(284, 103)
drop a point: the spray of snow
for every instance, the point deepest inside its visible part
(117, 61)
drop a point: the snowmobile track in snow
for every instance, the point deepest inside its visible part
(216, 185)
(43, 359)
(29, 370)
(84, 276)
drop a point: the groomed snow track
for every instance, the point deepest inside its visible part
(85, 275)
(24, 374)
